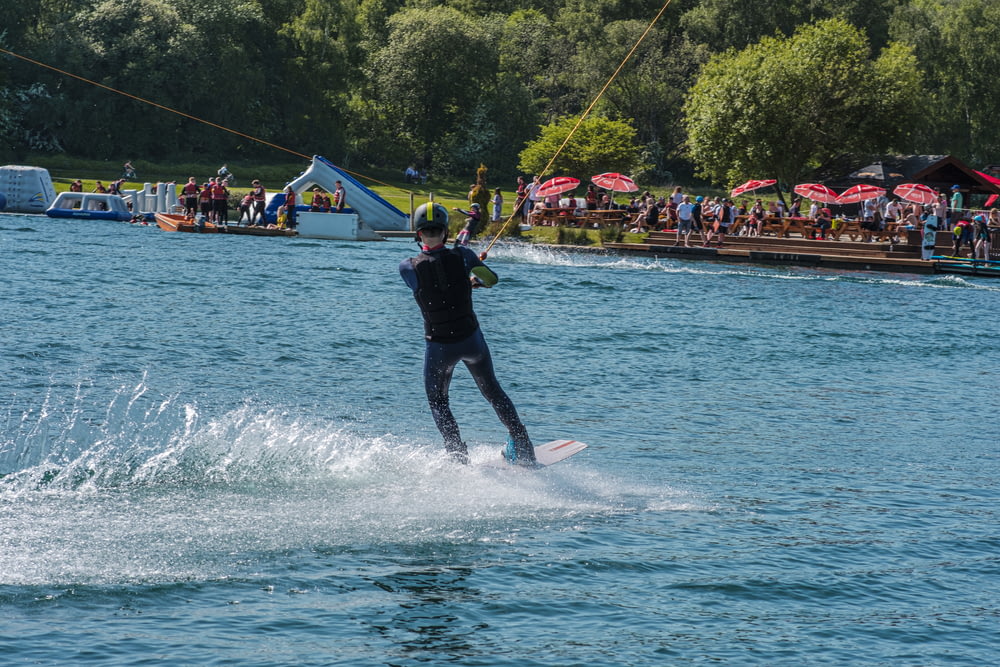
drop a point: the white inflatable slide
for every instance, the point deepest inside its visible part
(372, 210)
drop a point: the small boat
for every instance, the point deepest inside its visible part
(89, 206)
(175, 222)
(256, 231)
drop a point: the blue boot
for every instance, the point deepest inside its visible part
(519, 458)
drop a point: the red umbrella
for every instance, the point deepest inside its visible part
(860, 193)
(751, 185)
(615, 182)
(816, 192)
(916, 193)
(557, 185)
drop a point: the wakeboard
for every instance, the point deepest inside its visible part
(546, 454)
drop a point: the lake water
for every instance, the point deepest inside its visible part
(216, 450)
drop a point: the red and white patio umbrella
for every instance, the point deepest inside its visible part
(917, 193)
(751, 185)
(816, 192)
(615, 182)
(557, 185)
(860, 193)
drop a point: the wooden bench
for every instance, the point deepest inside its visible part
(850, 227)
(554, 217)
(802, 226)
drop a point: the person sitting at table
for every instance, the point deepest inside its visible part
(796, 210)
(822, 223)
(773, 210)
(894, 211)
(537, 214)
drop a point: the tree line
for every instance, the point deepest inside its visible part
(719, 88)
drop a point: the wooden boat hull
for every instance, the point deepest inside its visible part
(256, 231)
(173, 222)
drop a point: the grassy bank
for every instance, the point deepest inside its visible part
(405, 196)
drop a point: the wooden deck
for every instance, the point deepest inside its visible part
(901, 257)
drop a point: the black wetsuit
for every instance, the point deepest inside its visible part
(439, 279)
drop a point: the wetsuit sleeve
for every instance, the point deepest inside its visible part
(476, 268)
(408, 274)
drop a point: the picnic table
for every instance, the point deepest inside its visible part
(554, 216)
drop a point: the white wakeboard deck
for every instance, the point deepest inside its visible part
(546, 454)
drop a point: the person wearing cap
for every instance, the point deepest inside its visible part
(472, 220)
(696, 214)
(442, 280)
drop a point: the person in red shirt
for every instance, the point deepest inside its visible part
(220, 203)
(290, 207)
(190, 191)
(259, 201)
(317, 200)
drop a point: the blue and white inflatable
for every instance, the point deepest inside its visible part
(26, 189)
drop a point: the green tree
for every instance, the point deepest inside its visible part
(958, 45)
(426, 81)
(651, 88)
(598, 145)
(783, 106)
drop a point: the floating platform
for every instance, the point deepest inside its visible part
(901, 257)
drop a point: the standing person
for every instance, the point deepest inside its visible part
(724, 219)
(205, 199)
(190, 192)
(290, 212)
(941, 211)
(696, 215)
(956, 204)
(497, 202)
(339, 197)
(259, 201)
(442, 280)
(981, 234)
(685, 218)
(591, 197)
(220, 202)
(532, 197)
(520, 194)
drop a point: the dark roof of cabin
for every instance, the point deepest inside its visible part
(887, 171)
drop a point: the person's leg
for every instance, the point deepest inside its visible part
(439, 364)
(480, 363)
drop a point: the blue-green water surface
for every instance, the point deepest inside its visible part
(216, 450)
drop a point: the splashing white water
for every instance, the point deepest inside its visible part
(154, 490)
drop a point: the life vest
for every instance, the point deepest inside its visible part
(444, 295)
(219, 191)
(191, 190)
(258, 193)
(290, 199)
